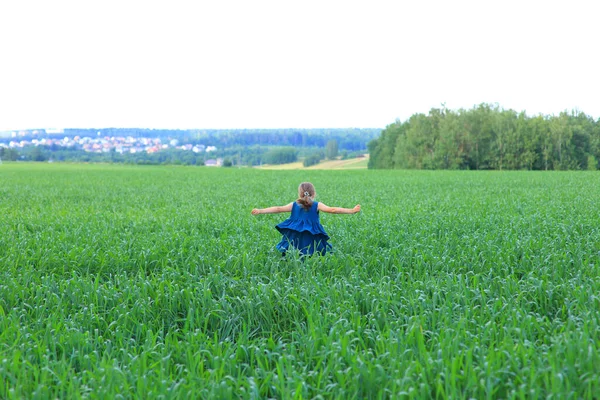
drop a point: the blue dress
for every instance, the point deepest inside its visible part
(303, 231)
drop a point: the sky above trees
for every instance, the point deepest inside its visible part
(282, 64)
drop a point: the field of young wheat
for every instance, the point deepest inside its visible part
(156, 282)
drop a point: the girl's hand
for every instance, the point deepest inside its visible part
(255, 211)
(356, 208)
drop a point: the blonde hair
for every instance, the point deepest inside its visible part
(306, 195)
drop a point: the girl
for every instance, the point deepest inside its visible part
(303, 229)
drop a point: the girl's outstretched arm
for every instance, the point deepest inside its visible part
(339, 210)
(273, 210)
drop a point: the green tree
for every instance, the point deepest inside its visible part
(479, 136)
(448, 155)
(412, 147)
(503, 146)
(313, 159)
(560, 134)
(331, 149)
(8, 154)
(283, 155)
(381, 150)
(592, 163)
(581, 147)
(37, 154)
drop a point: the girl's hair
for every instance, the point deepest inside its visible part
(306, 195)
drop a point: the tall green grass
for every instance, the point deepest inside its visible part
(156, 282)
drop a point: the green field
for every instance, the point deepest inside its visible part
(156, 282)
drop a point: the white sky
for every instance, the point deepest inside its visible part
(289, 64)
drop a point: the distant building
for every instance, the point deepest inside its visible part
(214, 163)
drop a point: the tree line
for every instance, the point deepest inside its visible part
(488, 137)
(45, 154)
(350, 139)
(231, 156)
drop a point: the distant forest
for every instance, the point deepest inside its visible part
(351, 139)
(234, 147)
(487, 137)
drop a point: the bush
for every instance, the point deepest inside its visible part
(284, 155)
(312, 160)
(592, 163)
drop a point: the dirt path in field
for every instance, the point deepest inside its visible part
(353, 163)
